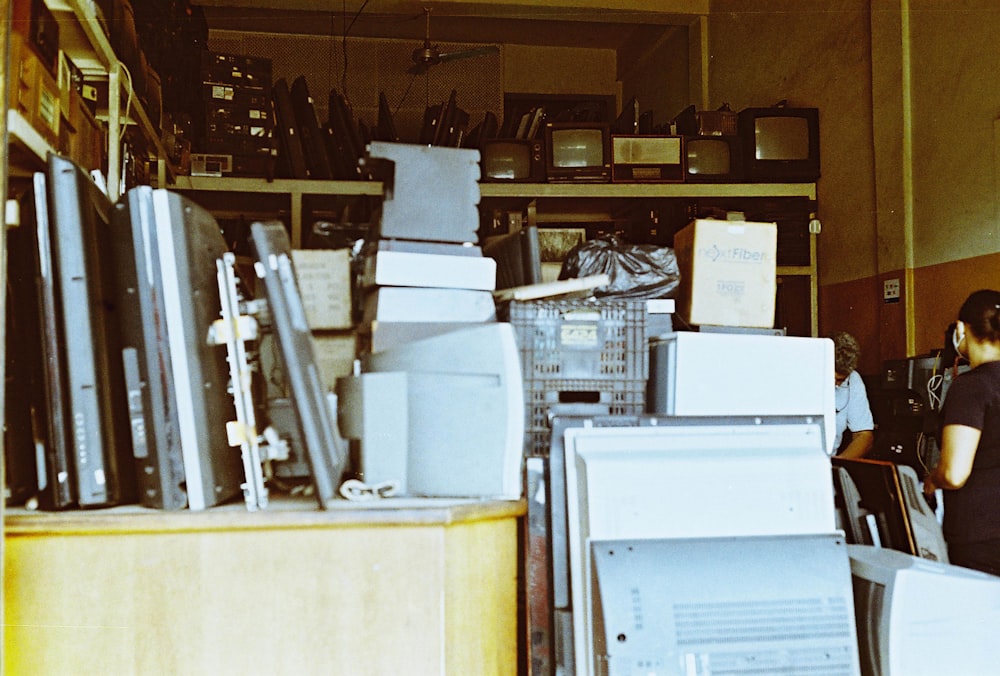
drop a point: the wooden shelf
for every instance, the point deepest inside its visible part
(277, 186)
(647, 190)
(83, 39)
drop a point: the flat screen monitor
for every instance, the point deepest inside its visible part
(515, 160)
(578, 152)
(916, 616)
(326, 450)
(189, 243)
(97, 418)
(892, 508)
(780, 144)
(713, 159)
(37, 455)
(149, 383)
(518, 257)
(465, 411)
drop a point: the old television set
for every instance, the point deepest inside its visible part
(515, 160)
(578, 152)
(780, 144)
(916, 616)
(713, 159)
(647, 158)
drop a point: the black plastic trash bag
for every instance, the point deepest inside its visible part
(635, 270)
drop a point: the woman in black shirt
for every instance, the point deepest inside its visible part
(969, 470)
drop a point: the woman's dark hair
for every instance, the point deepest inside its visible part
(981, 314)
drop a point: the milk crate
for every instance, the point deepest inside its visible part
(546, 398)
(584, 339)
(579, 356)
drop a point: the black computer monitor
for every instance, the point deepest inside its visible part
(518, 257)
(96, 416)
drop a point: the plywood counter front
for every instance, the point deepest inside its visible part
(399, 586)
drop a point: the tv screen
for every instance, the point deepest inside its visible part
(780, 143)
(512, 160)
(713, 159)
(781, 138)
(578, 151)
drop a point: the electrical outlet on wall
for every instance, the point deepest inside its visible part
(891, 290)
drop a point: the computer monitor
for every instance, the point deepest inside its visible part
(916, 616)
(518, 257)
(326, 451)
(728, 477)
(778, 604)
(465, 411)
(37, 451)
(188, 244)
(96, 421)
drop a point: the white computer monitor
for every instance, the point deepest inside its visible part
(465, 411)
(778, 604)
(917, 616)
(684, 478)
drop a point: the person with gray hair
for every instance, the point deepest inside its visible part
(854, 414)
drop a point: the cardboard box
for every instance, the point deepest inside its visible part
(335, 353)
(324, 279)
(728, 273)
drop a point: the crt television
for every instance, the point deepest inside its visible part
(578, 152)
(780, 144)
(713, 159)
(916, 616)
(516, 160)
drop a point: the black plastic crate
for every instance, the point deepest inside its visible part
(585, 339)
(576, 397)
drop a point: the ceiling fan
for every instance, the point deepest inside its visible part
(429, 55)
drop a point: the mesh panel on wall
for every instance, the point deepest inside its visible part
(374, 65)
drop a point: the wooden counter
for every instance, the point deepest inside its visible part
(398, 586)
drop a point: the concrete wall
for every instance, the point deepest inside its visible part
(909, 107)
